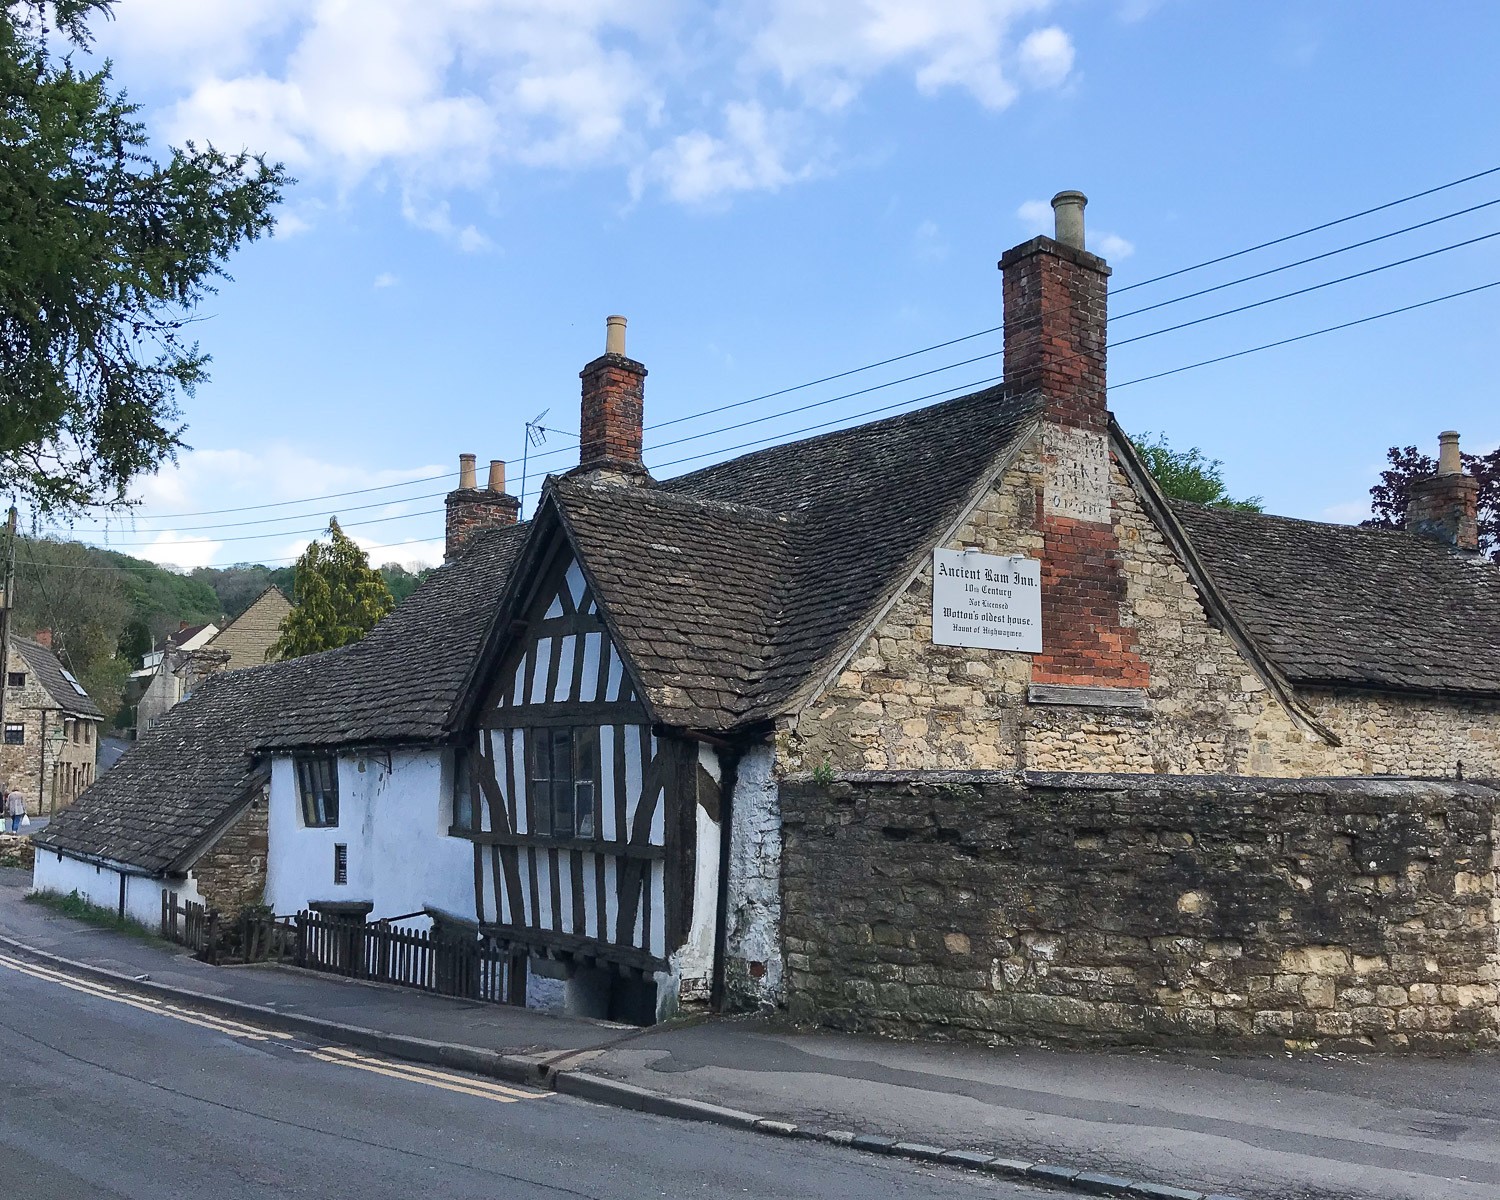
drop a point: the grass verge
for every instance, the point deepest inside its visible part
(75, 906)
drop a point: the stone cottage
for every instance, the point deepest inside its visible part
(161, 675)
(620, 740)
(51, 735)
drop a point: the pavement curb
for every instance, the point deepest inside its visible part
(602, 1090)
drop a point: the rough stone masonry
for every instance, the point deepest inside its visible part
(1144, 909)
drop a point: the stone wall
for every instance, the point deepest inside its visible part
(1160, 910)
(231, 875)
(247, 638)
(903, 703)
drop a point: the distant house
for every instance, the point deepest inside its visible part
(51, 733)
(162, 670)
(186, 658)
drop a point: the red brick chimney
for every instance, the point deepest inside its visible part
(472, 508)
(612, 412)
(1055, 302)
(1445, 506)
(43, 637)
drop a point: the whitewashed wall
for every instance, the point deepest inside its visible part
(101, 885)
(394, 820)
(753, 951)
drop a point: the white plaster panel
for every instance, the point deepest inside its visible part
(754, 918)
(589, 688)
(542, 653)
(564, 669)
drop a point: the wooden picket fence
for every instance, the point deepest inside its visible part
(449, 962)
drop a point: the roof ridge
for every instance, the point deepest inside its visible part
(864, 427)
(1359, 527)
(686, 500)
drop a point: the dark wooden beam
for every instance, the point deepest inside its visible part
(587, 845)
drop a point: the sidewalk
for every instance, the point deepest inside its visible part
(1262, 1128)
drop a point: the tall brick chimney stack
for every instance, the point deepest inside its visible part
(612, 413)
(1445, 506)
(1055, 312)
(472, 508)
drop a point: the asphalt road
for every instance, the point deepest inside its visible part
(103, 1095)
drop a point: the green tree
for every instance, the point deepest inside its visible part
(105, 251)
(338, 598)
(1188, 474)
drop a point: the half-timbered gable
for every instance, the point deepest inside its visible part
(582, 817)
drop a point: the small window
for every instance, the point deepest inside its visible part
(562, 780)
(340, 864)
(15, 678)
(318, 784)
(465, 813)
(15, 734)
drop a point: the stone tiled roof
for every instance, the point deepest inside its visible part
(51, 675)
(400, 683)
(689, 588)
(733, 588)
(182, 779)
(1342, 605)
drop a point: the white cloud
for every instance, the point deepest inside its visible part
(698, 102)
(384, 280)
(176, 522)
(830, 49)
(176, 550)
(1046, 56)
(751, 155)
(1036, 216)
(1111, 246)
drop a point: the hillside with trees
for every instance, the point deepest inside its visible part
(107, 609)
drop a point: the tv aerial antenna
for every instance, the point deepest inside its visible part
(536, 435)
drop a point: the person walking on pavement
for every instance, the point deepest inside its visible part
(15, 809)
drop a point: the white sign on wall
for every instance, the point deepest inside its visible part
(986, 600)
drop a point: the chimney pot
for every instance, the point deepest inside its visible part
(470, 510)
(1445, 506)
(610, 418)
(614, 335)
(1067, 210)
(1449, 462)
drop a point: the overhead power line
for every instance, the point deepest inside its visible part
(1302, 337)
(905, 356)
(1302, 262)
(1212, 262)
(1392, 312)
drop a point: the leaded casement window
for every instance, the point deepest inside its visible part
(15, 678)
(318, 785)
(465, 815)
(562, 780)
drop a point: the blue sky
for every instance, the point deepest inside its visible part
(778, 190)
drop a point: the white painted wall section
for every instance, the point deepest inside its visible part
(394, 816)
(100, 885)
(753, 952)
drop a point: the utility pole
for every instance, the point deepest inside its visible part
(7, 607)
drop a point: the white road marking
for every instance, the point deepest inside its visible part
(334, 1055)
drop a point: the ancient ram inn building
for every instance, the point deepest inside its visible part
(950, 721)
